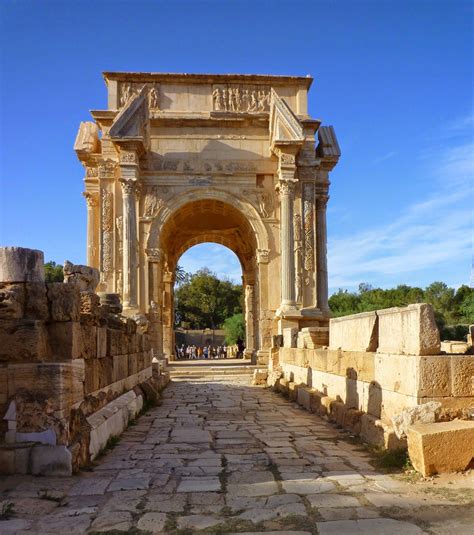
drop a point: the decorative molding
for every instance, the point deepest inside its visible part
(107, 230)
(308, 225)
(241, 99)
(128, 156)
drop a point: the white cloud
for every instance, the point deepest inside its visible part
(431, 233)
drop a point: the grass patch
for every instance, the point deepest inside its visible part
(6, 510)
(50, 495)
(112, 441)
(391, 460)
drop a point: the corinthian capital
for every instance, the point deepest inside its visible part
(286, 187)
(129, 186)
(92, 199)
(321, 201)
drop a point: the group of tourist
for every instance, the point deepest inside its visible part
(209, 352)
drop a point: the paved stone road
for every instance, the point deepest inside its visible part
(225, 458)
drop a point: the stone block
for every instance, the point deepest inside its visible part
(12, 301)
(65, 339)
(455, 347)
(462, 375)
(15, 458)
(425, 413)
(18, 264)
(60, 383)
(110, 303)
(23, 340)
(90, 308)
(101, 342)
(441, 447)
(89, 341)
(290, 337)
(357, 332)
(377, 432)
(304, 395)
(120, 367)
(434, 376)
(51, 461)
(315, 337)
(410, 330)
(260, 377)
(84, 277)
(36, 301)
(92, 375)
(64, 301)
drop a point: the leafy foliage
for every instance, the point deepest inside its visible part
(454, 309)
(234, 328)
(53, 272)
(202, 300)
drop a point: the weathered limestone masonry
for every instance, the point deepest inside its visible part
(233, 159)
(73, 370)
(384, 377)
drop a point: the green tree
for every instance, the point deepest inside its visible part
(234, 328)
(203, 300)
(53, 272)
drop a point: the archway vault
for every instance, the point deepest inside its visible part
(218, 216)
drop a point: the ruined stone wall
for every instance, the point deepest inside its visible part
(65, 354)
(360, 384)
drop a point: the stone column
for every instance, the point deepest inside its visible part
(321, 233)
(92, 199)
(129, 243)
(286, 189)
(249, 319)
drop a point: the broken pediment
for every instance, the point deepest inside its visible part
(87, 139)
(131, 123)
(285, 128)
(328, 147)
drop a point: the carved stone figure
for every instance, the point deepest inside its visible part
(153, 97)
(153, 203)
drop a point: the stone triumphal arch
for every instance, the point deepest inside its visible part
(180, 159)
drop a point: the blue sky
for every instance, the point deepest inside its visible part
(395, 79)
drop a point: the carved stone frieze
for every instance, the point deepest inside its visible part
(308, 225)
(298, 254)
(107, 230)
(287, 159)
(241, 99)
(128, 90)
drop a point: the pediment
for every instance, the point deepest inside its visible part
(285, 128)
(131, 123)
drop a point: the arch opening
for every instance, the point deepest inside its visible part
(209, 220)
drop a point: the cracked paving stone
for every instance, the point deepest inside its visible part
(152, 522)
